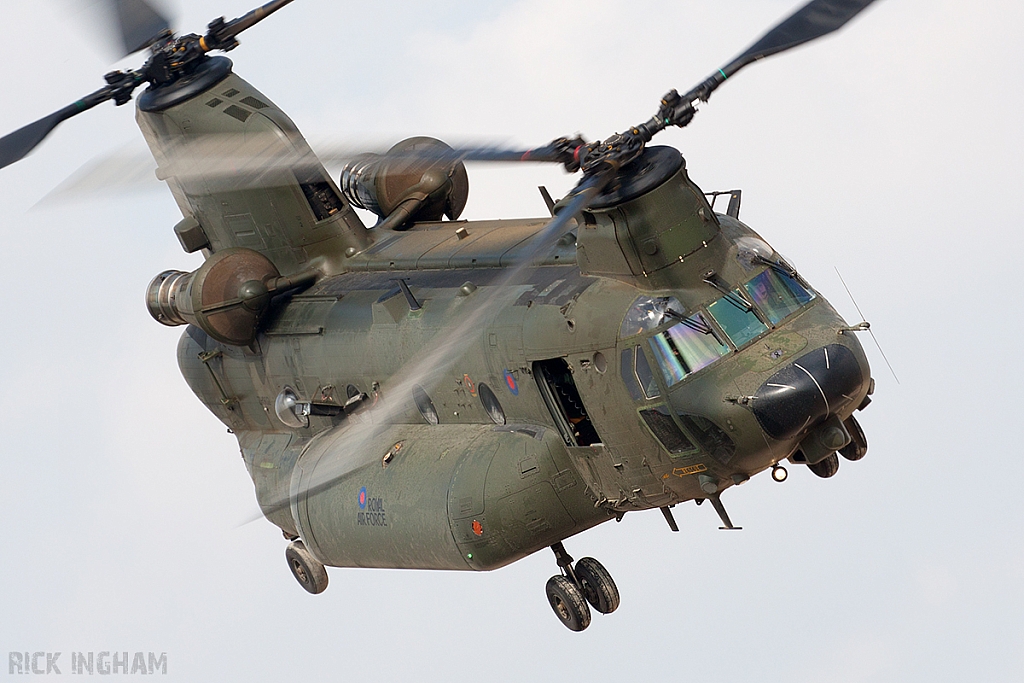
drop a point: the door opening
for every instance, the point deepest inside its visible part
(563, 400)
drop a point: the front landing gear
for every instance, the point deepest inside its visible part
(306, 569)
(586, 582)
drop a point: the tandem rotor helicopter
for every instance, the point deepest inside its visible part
(432, 393)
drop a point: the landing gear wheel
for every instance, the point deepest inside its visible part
(306, 569)
(568, 603)
(858, 446)
(827, 467)
(598, 586)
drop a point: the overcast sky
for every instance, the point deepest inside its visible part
(891, 150)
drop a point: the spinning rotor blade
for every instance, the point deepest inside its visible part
(244, 161)
(429, 367)
(139, 24)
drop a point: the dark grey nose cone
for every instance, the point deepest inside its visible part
(808, 390)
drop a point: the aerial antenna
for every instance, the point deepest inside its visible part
(865, 325)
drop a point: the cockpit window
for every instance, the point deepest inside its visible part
(646, 377)
(737, 318)
(637, 375)
(648, 313)
(777, 294)
(687, 347)
(628, 373)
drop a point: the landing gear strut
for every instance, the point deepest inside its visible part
(586, 582)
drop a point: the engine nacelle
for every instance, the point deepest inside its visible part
(226, 297)
(416, 180)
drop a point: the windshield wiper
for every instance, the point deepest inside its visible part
(780, 266)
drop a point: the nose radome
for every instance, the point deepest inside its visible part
(816, 385)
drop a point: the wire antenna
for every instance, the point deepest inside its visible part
(870, 331)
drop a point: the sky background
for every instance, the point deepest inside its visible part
(891, 151)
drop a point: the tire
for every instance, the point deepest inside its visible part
(598, 586)
(827, 467)
(858, 446)
(307, 570)
(568, 603)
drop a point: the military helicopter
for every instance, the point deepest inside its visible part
(444, 394)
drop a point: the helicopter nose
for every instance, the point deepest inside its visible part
(813, 387)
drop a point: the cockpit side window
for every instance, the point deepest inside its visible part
(687, 347)
(647, 313)
(646, 377)
(777, 294)
(637, 375)
(628, 373)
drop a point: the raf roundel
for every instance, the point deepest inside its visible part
(362, 498)
(511, 383)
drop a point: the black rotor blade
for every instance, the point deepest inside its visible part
(139, 24)
(15, 146)
(814, 20)
(221, 35)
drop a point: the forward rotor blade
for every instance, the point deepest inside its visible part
(15, 146)
(581, 198)
(139, 24)
(814, 20)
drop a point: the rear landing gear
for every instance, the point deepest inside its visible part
(307, 570)
(586, 582)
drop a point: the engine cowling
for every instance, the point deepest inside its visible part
(412, 181)
(226, 297)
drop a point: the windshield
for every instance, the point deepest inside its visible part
(777, 294)
(737, 318)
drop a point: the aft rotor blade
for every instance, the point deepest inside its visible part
(222, 34)
(139, 24)
(15, 146)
